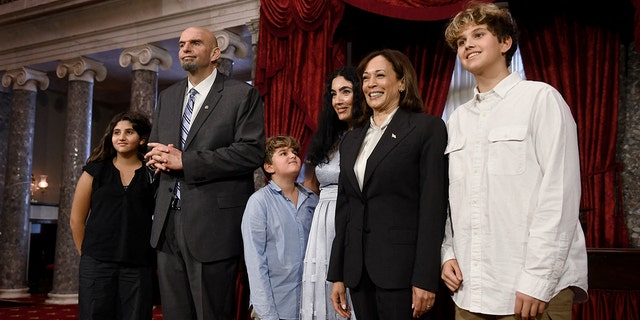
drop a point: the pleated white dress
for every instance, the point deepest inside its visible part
(316, 290)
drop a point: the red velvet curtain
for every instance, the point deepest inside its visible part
(431, 57)
(609, 304)
(585, 70)
(295, 54)
(421, 10)
(434, 62)
(297, 50)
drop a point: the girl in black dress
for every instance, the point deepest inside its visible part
(111, 220)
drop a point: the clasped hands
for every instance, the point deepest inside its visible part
(163, 157)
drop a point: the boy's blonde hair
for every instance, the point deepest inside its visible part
(498, 20)
(276, 142)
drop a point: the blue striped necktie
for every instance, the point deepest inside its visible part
(186, 117)
(186, 125)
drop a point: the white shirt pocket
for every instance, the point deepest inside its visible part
(455, 153)
(507, 150)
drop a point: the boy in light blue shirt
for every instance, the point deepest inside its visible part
(275, 230)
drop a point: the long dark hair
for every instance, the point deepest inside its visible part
(105, 150)
(410, 99)
(330, 128)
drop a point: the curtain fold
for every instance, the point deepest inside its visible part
(419, 10)
(585, 70)
(296, 52)
(434, 62)
(609, 304)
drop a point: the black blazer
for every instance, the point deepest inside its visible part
(395, 225)
(224, 146)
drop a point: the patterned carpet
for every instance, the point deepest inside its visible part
(35, 308)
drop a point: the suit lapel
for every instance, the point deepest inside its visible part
(396, 131)
(207, 107)
(175, 99)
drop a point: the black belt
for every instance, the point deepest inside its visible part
(175, 204)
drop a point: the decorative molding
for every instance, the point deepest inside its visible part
(82, 69)
(231, 44)
(25, 79)
(14, 293)
(146, 57)
(62, 298)
(103, 26)
(254, 28)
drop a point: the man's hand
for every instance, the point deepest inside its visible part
(528, 307)
(339, 299)
(163, 157)
(451, 274)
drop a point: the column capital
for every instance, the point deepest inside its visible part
(231, 44)
(146, 57)
(26, 79)
(82, 68)
(254, 28)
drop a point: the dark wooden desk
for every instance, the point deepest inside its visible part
(614, 268)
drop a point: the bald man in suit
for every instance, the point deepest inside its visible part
(205, 183)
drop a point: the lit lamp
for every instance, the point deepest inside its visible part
(43, 184)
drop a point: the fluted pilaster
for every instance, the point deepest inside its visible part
(145, 61)
(14, 221)
(254, 28)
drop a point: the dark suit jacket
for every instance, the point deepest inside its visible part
(395, 225)
(224, 146)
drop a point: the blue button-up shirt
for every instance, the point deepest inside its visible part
(275, 234)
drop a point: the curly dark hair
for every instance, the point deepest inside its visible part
(330, 128)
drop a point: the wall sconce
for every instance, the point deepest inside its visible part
(40, 185)
(43, 184)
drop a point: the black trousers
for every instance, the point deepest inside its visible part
(371, 302)
(109, 290)
(190, 289)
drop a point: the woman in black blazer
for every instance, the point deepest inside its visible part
(392, 197)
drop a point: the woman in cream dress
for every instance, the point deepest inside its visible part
(338, 115)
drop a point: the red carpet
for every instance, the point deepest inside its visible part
(35, 308)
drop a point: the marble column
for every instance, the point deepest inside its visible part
(225, 66)
(82, 72)
(259, 179)
(231, 45)
(628, 139)
(145, 61)
(5, 114)
(14, 222)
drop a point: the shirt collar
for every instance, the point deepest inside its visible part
(500, 89)
(372, 124)
(205, 84)
(273, 186)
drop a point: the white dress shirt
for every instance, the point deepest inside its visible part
(371, 139)
(514, 192)
(203, 89)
